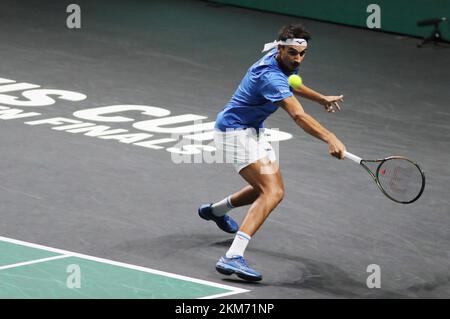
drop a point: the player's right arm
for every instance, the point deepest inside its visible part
(310, 125)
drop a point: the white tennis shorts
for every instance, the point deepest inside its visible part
(242, 147)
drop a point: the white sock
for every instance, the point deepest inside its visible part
(239, 244)
(221, 208)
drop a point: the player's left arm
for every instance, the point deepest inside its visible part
(329, 102)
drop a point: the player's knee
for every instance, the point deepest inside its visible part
(280, 194)
(276, 194)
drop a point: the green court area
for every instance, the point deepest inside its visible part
(33, 271)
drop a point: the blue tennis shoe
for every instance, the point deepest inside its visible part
(237, 265)
(226, 223)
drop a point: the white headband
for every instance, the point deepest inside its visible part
(274, 44)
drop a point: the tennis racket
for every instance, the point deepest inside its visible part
(399, 178)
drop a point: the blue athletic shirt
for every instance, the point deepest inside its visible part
(264, 84)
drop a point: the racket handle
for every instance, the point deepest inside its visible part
(352, 157)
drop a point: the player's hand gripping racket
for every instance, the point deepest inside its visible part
(400, 179)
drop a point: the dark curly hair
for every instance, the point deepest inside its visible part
(293, 31)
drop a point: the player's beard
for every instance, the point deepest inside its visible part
(286, 64)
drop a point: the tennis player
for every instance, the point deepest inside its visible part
(238, 133)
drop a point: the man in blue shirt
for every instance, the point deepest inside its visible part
(263, 85)
(261, 92)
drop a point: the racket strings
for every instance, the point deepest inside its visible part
(400, 179)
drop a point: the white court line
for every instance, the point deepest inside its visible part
(31, 262)
(233, 290)
(219, 295)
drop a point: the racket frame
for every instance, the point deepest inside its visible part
(375, 175)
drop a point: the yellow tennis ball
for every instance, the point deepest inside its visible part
(295, 81)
